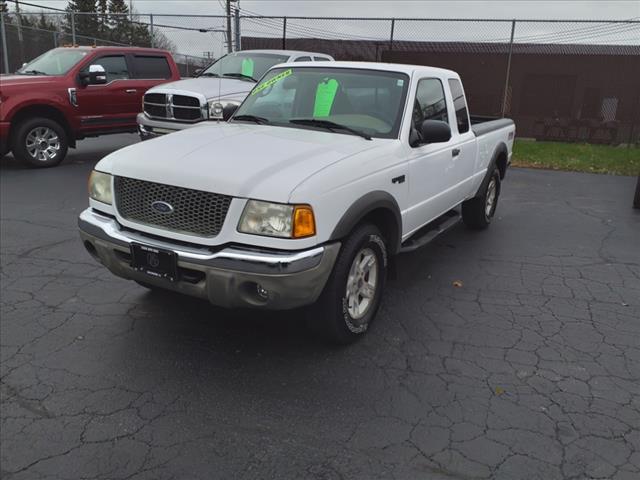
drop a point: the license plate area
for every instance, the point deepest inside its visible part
(156, 262)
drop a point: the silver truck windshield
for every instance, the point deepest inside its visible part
(55, 62)
(249, 66)
(344, 100)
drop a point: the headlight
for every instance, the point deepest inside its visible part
(216, 108)
(100, 187)
(277, 220)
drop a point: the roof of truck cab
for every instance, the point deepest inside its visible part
(112, 48)
(290, 53)
(390, 67)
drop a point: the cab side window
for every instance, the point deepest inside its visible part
(460, 105)
(430, 103)
(114, 65)
(303, 59)
(151, 67)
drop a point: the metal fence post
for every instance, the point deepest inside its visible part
(284, 33)
(393, 27)
(73, 28)
(20, 36)
(506, 81)
(151, 28)
(3, 37)
(55, 39)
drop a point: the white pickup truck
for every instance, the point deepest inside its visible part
(323, 174)
(214, 94)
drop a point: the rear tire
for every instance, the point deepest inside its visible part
(40, 142)
(352, 295)
(478, 212)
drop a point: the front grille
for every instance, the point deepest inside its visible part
(184, 101)
(186, 114)
(155, 98)
(155, 110)
(194, 212)
(183, 108)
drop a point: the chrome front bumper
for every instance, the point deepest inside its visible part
(230, 277)
(151, 128)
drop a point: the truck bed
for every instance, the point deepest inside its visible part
(481, 125)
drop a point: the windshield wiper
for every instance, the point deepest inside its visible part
(251, 118)
(328, 124)
(208, 74)
(239, 75)
(32, 72)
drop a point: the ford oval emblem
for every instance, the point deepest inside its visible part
(162, 207)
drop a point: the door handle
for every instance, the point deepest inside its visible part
(131, 90)
(455, 152)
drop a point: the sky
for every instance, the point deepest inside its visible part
(541, 9)
(194, 43)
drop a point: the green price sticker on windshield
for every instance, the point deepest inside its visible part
(247, 67)
(271, 81)
(325, 95)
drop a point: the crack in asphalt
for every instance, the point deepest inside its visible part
(530, 369)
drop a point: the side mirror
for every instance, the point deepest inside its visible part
(96, 76)
(197, 72)
(24, 65)
(228, 110)
(435, 131)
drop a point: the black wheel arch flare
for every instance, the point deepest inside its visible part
(380, 208)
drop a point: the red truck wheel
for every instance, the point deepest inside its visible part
(40, 142)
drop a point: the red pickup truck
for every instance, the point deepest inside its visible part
(71, 93)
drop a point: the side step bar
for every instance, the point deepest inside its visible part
(430, 231)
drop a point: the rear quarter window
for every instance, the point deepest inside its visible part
(151, 67)
(460, 105)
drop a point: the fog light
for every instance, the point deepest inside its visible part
(262, 292)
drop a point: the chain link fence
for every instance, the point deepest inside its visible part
(193, 41)
(570, 81)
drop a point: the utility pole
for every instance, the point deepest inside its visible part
(237, 32)
(229, 38)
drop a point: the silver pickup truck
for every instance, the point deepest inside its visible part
(212, 95)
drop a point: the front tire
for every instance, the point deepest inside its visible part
(352, 295)
(40, 142)
(478, 212)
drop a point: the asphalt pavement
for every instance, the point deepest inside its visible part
(512, 353)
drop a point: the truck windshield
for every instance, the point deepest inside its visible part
(55, 62)
(368, 102)
(244, 65)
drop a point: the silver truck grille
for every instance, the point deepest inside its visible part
(190, 212)
(166, 106)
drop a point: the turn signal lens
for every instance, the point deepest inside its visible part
(304, 224)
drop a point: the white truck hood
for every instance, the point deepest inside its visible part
(241, 160)
(212, 88)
